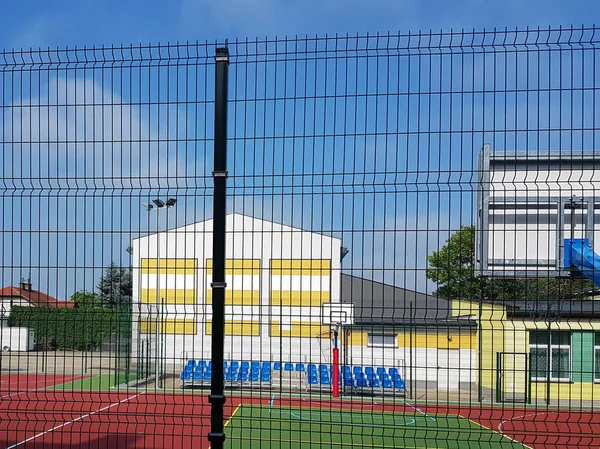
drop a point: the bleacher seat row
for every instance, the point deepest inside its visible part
(198, 371)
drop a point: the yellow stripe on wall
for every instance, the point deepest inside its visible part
(422, 340)
(238, 297)
(170, 326)
(298, 298)
(237, 266)
(245, 328)
(170, 266)
(169, 296)
(303, 267)
(300, 329)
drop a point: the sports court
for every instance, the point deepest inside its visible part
(49, 410)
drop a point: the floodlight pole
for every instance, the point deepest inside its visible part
(158, 359)
(216, 435)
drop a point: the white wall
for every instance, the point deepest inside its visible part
(16, 339)
(247, 238)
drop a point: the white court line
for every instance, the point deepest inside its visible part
(45, 387)
(515, 418)
(68, 423)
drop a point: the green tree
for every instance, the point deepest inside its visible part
(115, 286)
(84, 299)
(453, 269)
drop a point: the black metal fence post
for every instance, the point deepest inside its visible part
(217, 394)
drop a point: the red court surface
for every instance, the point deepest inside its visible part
(31, 417)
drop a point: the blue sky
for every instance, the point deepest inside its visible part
(390, 211)
(89, 22)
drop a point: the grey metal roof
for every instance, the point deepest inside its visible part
(379, 304)
(555, 309)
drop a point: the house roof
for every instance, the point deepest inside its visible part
(377, 304)
(35, 297)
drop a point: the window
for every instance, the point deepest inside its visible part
(597, 356)
(550, 351)
(387, 340)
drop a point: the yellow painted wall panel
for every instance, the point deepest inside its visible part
(299, 298)
(245, 328)
(301, 267)
(238, 297)
(300, 329)
(169, 296)
(169, 326)
(430, 340)
(170, 266)
(565, 391)
(237, 266)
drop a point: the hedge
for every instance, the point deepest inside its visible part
(77, 329)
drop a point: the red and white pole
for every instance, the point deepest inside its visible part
(336, 366)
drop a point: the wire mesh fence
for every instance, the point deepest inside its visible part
(342, 241)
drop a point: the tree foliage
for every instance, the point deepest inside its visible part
(453, 269)
(85, 300)
(75, 329)
(115, 284)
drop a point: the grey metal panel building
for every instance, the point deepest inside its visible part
(379, 304)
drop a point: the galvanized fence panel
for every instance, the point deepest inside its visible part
(334, 241)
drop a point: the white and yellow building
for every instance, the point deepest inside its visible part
(277, 279)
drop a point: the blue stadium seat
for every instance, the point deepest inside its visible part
(277, 366)
(399, 384)
(369, 369)
(288, 367)
(186, 375)
(380, 370)
(323, 367)
(189, 363)
(266, 365)
(230, 375)
(245, 365)
(325, 381)
(207, 375)
(311, 366)
(266, 377)
(387, 383)
(374, 383)
(254, 376)
(299, 366)
(361, 382)
(257, 364)
(357, 370)
(243, 376)
(393, 371)
(397, 378)
(198, 375)
(348, 382)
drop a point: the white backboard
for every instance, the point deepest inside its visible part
(337, 314)
(528, 204)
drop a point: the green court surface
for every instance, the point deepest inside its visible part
(100, 382)
(280, 427)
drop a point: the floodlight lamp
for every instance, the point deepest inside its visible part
(171, 202)
(148, 206)
(159, 203)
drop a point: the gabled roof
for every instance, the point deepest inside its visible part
(35, 297)
(236, 220)
(378, 304)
